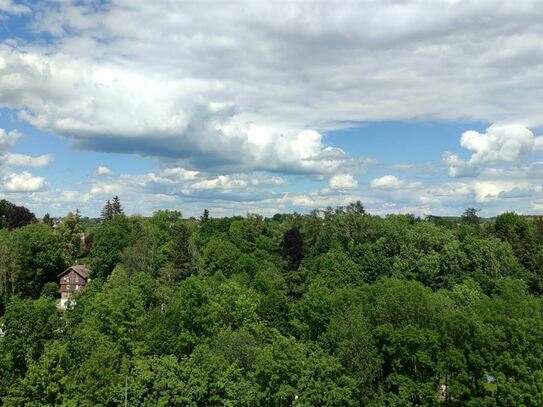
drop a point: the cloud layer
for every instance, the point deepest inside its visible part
(167, 80)
(236, 102)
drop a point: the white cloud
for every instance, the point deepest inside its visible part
(23, 160)
(489, 190)
(499, 144)
(343, 181)
(178, 118)
(22, 182)
(8, 139)
(459, 167)
(221, 182)
(181, 173)
(387, 182)
(9, 6)
(537, 205)
(102, 170)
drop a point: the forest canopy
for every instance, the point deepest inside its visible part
(337, 307)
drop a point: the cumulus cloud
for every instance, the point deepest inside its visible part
(499, 144)
(343, 181)
(8, 139)
(222, 182)
(183, 118)
(387, 182)
(102, 170)
(235, 181)
(22, 182)
(23, 160)
(458, 167)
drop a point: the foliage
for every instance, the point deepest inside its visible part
(109, 241)
(13, 216)
(333, 308)
(69, 232)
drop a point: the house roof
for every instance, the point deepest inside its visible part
(80, 269)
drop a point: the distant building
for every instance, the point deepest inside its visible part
(72, 279)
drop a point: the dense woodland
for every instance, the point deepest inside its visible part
(334, 308)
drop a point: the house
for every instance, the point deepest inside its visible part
(72, 279)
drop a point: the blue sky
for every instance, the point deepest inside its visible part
(261, 107)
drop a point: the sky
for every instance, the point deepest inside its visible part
(411, 106)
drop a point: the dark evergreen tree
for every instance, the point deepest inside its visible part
(107, 211)
(293, 248)
(116, 207)
(180, 250)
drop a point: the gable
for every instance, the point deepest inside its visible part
(81, 271)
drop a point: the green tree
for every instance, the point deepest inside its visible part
(180, 265)
(47, 220)
(324, 382)
(471, 217)
(107, 211)
(220, 256)
(70, 233)
(39, 258)
(28, 325)
(5, 208)
(110, 238)
(116, 207)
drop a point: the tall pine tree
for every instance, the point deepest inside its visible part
(107, 211)
(116, 206)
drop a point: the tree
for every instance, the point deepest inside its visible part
(19, 216)
(45, 381)
(220, 256)
(10, 269)
(278, 368)
(47, 220)
(29, 324)
(356, 208)
(107, 211)
(520, 234)
(293, 248)
(324, 382)
(116, 206)
(70, 232)
(180, 265)
(471, 217)
(39, 258)
(5, 208)
(110, 238)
